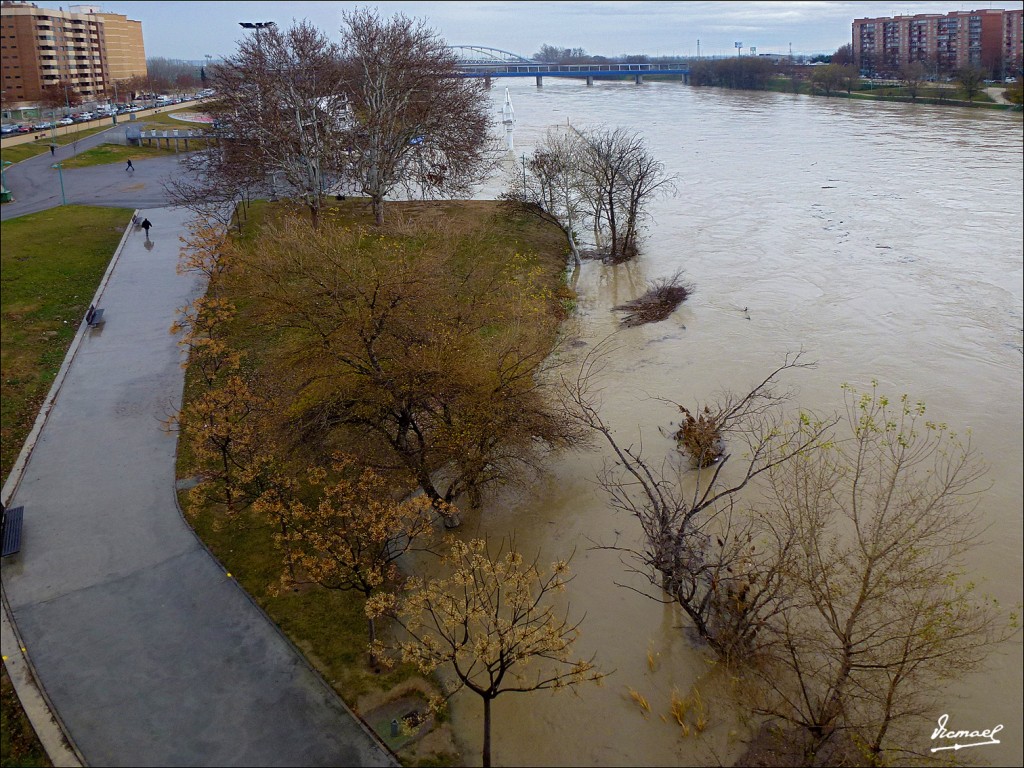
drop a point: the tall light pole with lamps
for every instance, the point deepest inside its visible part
(258, 25)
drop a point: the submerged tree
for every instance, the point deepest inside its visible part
(490, 622)
(882, 617)
(697, 547)
(416, 126)
(604, 177)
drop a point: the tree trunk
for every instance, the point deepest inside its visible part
(378, 210)
(487, 732)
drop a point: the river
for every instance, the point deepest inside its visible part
(885, 240)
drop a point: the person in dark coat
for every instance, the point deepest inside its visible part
(146, 224)
(129, 167)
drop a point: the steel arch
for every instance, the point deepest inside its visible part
(482, 54)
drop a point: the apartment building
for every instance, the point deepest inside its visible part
(1013, 47)
(988, 39)
(126, 53)
(82, 46)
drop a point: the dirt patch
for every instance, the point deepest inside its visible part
(661, 300)
(403, 720)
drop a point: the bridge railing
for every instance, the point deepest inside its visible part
(541, 69)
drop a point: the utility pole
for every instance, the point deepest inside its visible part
(698, 47)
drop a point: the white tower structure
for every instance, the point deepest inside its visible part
(508, 119)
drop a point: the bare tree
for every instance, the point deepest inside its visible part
(61, 95)
(971, 81)
(490, 621)
(622, 178)
(881, 616)
(913, 76)
(599, 176)
(281, 113)
(552, 185)
(843, 55)
(701, 552)
(417, 126)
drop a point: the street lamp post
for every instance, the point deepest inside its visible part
(3, 178)
(258, 25)
(60, 174)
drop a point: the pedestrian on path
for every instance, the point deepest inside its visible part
(53, 149)
(130, 167)
(146, 224)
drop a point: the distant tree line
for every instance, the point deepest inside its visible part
(746, 72)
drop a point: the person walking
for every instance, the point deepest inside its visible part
(129, 167)
(146, 224)
(53, 149)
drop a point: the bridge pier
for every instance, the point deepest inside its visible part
(540, 81)
(639, 79)
(487, 82)
(686, 78)
(590, 80)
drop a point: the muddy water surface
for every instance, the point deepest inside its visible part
(885, 240)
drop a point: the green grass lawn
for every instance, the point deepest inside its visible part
(117, 153)
(52, 263)
(926, 95)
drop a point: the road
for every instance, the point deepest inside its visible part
(36, 185)
(148, 651)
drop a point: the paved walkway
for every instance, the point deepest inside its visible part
(149, 652)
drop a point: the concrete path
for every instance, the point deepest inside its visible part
(149, 652)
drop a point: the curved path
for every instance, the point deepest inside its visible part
(148, 651)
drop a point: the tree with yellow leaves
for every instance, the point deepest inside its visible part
(487, 621)
(202, 249)
(351, 538)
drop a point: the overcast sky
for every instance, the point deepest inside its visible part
(193, 30)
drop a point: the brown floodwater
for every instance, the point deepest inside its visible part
(885, 240)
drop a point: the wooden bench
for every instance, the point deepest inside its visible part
(11, 526)
(94, 317)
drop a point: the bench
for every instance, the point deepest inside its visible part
(94, 317)
(12, 530)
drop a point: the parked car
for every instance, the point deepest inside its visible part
(9, 129)
(43, 126)
(65, 121)
(24, 129)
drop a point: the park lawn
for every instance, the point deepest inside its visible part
(330, 627)
(164, 119)
(52, 262)
(115, 153)
(25, 151)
